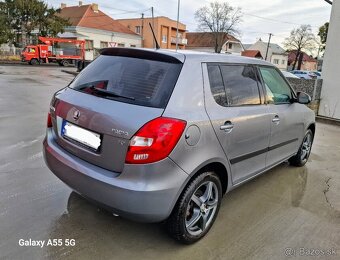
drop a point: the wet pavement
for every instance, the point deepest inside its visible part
(287, 212)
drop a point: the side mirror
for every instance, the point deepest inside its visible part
(303, 98)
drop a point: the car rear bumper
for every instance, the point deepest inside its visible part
(145, 193)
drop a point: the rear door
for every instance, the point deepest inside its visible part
(286, 119)
(96, 116)
(234, 103)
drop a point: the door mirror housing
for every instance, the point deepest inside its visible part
(303, 98)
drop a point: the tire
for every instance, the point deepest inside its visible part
(34, 62)
(301, 158)
(190, 222)
(65, 63)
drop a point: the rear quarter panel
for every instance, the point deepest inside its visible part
(187, 103)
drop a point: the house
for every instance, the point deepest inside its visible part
(96, 28)
(205, 42)
(165, 31)
(308, 62)
(252, 54)
(276, 54)
(330, 94)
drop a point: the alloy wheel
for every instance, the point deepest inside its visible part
(201, 208)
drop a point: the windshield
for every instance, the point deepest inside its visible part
(131, 80)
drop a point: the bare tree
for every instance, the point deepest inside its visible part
(300, 39)
(219, 18)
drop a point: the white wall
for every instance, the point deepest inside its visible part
(236, 48)
(281, 58)
(330, 95)
(98, 36)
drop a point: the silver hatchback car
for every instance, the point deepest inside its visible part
(159, 135)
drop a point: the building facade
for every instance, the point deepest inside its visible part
(308, 62)
(165, 31)
(276, 54)
(330, 95)
(97, 29)
(205, 42)
(252, 54)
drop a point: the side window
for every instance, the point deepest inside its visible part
(278, 91)
(216, 85)
(241, 85)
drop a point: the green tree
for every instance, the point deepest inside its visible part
(28, 17)
(219, 18)
(52, 23)
(323, 32)
(5, 28)
(300, 39)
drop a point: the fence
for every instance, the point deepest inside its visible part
(312, 87)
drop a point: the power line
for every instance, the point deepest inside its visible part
(274, 20)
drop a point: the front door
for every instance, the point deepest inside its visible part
(234, 103)
(286, 118)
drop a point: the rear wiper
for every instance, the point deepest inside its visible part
(109, 93)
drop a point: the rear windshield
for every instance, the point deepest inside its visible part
(130, 80)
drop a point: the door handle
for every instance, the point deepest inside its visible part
(276, 119)
(227, 127)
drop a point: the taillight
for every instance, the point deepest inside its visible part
(155, 140)
(49, 120)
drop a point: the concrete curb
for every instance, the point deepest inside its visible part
(328, 120)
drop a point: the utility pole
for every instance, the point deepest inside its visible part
(153, 24)
(142, 31)
(270, 36)
(179, 4)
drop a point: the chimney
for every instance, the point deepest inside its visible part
(62, 5)
(80, 3)
(95, 8)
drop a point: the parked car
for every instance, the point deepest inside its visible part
(159, 135)
(304, 74)
(318, 74)
(289, 75)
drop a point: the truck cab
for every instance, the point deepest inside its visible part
(33, 54)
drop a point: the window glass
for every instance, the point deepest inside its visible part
(131, 80)
(241, 85)
(88, 44)
(138, 29)
(104, 44)
(277, 89)
(216, 85)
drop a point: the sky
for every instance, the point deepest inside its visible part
(260, 17)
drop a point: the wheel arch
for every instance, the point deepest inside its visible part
(312, 128)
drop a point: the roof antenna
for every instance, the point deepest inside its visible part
(154, 37)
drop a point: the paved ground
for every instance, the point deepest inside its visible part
(285, 208)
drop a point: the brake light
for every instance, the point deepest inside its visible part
(49, 120)
(155, 140)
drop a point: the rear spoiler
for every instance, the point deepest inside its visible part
(140, 54)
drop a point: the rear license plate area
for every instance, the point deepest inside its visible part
(81, 136)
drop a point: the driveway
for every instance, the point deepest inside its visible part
(287, 212)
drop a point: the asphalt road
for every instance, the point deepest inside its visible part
(287, 211)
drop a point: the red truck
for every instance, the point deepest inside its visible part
(59, 50)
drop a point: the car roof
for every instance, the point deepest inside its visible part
(213, 57)
(183, 55)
